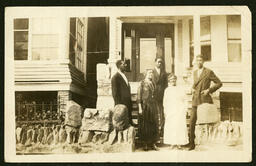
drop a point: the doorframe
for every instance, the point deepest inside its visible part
(173, 37)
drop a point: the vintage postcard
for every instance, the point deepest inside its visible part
(128, 84)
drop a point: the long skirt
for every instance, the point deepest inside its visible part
(148, 123)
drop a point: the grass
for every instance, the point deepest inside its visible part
(72, 148)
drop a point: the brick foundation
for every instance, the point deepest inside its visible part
(63, 98)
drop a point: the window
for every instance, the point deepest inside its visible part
(45, 39)
(234, 38)
(205, 38)
(76, 43)
(21, 39)
(231, 106)
(38, 34)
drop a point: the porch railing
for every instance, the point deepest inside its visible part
(44, 113)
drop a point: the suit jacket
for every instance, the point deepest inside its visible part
(121, 92)
(203, 83)
(161, 83)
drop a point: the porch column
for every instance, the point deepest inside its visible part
(185, 42)
(196, 27)
(85, 38)
(115, 30)
(105, 72)
(219, 48)
(176, 55)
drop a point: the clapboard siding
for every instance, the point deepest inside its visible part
(227, 72)
(41, 72)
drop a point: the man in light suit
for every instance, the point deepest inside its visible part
(121, 90)
(161, 82)
(201, 91)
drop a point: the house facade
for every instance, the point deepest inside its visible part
(55, 53)
(50, 63)
(139, 37)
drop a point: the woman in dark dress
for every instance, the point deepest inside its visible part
(148, 112)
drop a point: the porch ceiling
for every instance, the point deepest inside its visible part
(125, 11)
(152, 19)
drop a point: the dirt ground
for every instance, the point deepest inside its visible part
(116, 148)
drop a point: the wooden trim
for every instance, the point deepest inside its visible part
(42, 62)
(133, 59)
(147, 19)
(50, 86)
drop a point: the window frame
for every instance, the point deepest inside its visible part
(79, 44)
(30, 42)
(234, 40)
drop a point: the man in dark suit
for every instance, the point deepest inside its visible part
(161, 82)
(201, 91)
(121, 90)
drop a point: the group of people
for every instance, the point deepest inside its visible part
(162, 112)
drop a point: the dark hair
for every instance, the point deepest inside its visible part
(159, 57)
(146, 72)
(118, 63)
(200, 56)
(172, 76)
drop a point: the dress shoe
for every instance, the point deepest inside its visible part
(179, 147)
(186, 145)
(191, 147)
(145, 148)
(171, 147)
(154, 147)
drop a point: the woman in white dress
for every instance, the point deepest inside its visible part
(175, 129)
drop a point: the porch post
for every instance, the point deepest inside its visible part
(185, 42)
(115, 31)
(196, 27)
(105, 72)
(176, 55)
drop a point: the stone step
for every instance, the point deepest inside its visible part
(135, 121)
(135, 114)
(134, 106)
(134, 98)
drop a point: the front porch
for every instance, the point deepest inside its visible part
(140, 39)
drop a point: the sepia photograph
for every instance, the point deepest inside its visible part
(128, 84)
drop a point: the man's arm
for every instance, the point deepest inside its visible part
(115, 90)
(217, 82)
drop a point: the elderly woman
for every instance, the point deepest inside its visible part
(148, 112)
(175, 130)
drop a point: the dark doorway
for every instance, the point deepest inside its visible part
(142, 43)
(97, 52)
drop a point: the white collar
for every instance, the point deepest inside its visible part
(124, 77)
(158, 70)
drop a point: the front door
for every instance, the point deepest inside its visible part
(142, 43)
